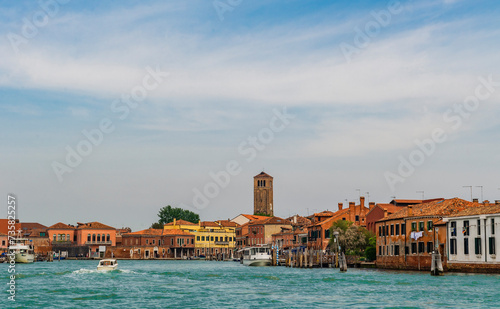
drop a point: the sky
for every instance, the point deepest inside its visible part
(111, 110)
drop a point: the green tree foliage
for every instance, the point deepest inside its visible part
(371, 249)
(168, 213)
(353, 239)
(156, 225)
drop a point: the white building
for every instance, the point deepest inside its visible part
(473, 236)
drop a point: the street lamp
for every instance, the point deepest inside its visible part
(337, 248)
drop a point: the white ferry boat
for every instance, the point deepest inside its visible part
(107, 264)
(257, 256)
(24, 252)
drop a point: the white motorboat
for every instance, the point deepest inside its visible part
(257, 256)
(107, 264)
(24, 252)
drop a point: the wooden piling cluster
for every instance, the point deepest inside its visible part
(308, 259)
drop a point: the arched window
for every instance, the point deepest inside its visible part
(108, 238)
(67, 237)
(93, 237)
(98, 237)
(88, 237)
(63, 237)
(103, 237)
(54, 237)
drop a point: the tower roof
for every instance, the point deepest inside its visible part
(263, 175)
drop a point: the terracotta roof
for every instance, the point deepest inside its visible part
(60, 226)
(209, 224)
(32, 225)
(151, 232)
(181, 222)
(271, 220)
(408, 201)
(176, 232)
(262, 174)
(94, 226)
(484, 210)
(390, 208)
(254, 217)
(333, 218)
(35, 232)
(2, 234)
(301, 221)
(439, 208)
(228, 223)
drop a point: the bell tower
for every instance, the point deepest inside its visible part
(263, 195)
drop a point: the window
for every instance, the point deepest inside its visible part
(88, 237)
(356, 218)
(421, 226)
(387, 230)
(392, 229)
(63, 237)
(147, 241)
(197, 238)
(466, 245)
(453, 228)
(202, 238)
(429, 225)
(478, 227)
(55, 237)
(171, 241)
(192, 241)
(477, 246)
(429, 247)
(413, 226)
(67, 237)
(414, 248)
(383, 250)
(492, 226)
(421, 247)
(327, 233)
(491, 245)
(379, 250)
(396, 250)
(453, 246)
(93, 237)
(216, 238)
(211, 238)
(42, 234)
(465, 229)
(397, 229)
(380, 231)
(407, 250)
(154, 241)
(108, 237)
(98, 237)
(403, 228)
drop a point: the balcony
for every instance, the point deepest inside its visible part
(106, 242)
(62, 243)
(222, 242)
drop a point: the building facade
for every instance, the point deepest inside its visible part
(472, 240)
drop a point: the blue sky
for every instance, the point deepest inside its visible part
(354, 117)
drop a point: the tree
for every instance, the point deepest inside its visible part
(371, 249)
(156, 225)
(352, 239)
(168, 214)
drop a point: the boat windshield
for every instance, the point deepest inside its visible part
(262, 250)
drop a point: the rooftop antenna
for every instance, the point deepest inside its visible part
(368, 196)
(359, 193)
(481, 193)
(470, 191)
(422, 194)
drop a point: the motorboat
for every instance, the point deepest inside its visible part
(257, 256)
(23, 251)
(107, 264)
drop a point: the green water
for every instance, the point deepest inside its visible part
(202, 284)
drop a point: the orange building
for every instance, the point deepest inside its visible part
(406, 239)
(319, 230)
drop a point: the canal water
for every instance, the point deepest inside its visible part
(204, 284)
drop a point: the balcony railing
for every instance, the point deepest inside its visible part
(105, 242)
(222, 242)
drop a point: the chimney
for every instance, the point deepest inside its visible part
(385, 213)
(410, 210)
(362, 201)
(486, 203)
(351, 206)
(371, 205)
(174, 221)
(475, 200)
(341, 205)
(497, 202)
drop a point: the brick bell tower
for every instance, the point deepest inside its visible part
(263, 194)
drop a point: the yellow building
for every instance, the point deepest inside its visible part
(212, 239)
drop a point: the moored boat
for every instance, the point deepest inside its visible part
(257, 256)
(107, 264)
(24, 252)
